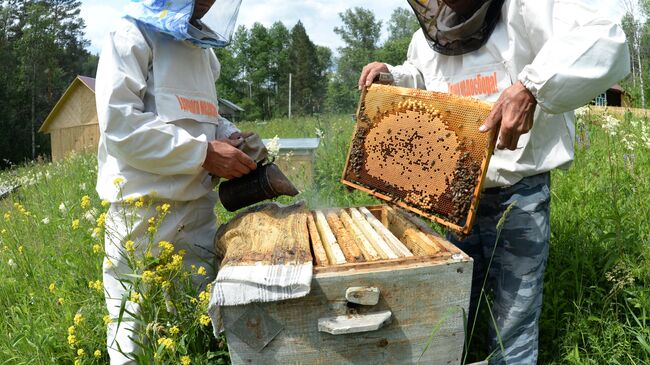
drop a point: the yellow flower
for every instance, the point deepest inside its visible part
(139, 204)
(166, 249)
(105, 203)
(75, 224)
(107, 320)
(97, 354)
(20, 249)
(166, 285)
(204, 296)
(78, 319)
(185, 360)
(118, 181)
(52, 287)
(129, 246)
(71, 330)
(77, 362)
(177, 262)
(129, 201)
(165, 208)
(85, 201)
(72, 340)
(97, 248)
(60, 301)
(148, 276)
(101, 220)
(204, 320)
(81, 352)
(167, 343)
(151, 229)
(109, 264)
(152, 221)
(135, 297)
(174, 330)
(201, 271)
(97, 285)
(7, 216)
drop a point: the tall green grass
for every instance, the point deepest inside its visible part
(596, 295)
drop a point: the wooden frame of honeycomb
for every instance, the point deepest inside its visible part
(422, 151)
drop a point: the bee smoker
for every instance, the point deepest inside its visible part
(265, 182)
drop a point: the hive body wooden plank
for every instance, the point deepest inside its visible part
(362, 242)
(334, 254)
(350, 250)
(375, 239)
(397, 246)
(317, 245)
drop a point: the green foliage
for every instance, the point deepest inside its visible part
(42, 49)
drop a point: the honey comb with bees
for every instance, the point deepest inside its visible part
(421, 150)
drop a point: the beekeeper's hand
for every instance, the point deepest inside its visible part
(242, 135)
(370, 72)
(225, 160)
(512, 114)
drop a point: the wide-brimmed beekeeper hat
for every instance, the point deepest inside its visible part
(173, 17)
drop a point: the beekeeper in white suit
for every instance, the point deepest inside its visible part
(162, 136)
(538, 60)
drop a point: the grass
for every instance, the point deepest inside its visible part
(596, 296)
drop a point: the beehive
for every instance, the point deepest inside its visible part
(386, 290)
(421, 150)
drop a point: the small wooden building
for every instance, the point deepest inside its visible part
(73, 123)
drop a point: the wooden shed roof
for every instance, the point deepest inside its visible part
(88, 82)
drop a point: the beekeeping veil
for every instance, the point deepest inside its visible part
(173, 17)
(452, 34)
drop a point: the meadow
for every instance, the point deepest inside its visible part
(596, 290)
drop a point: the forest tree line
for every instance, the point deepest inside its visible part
(43, 48)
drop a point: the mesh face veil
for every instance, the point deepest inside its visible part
(173, 17)
(451, 34)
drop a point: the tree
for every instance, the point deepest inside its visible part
(402, 24)
(360, 33)
(304, 67)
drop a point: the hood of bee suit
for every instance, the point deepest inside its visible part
(452, 34)
(172, 17)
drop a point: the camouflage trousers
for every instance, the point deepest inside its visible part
(515, 276)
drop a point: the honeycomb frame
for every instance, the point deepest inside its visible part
(421, 150)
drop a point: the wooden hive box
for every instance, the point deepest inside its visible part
(404, 309)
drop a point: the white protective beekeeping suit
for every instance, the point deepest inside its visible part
(565, 52)
(157, 108)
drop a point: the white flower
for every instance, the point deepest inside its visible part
(82, 186)
(582, 112)
(62, 208)
(319, 133)
(273, 147)
(610, 125)
(45, 220)
(47, 175)
(90, 215)
(12, 264)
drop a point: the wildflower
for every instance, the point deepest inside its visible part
(165, 208)
(12, 264)
(185, 360)
(151, 229)
(90, 215)
(97, 248)
(60, 301)
(139, 204)
(20, 249)
(148, 276)
(75, 224)
(105, 203)
(72, 340)
(71, 330)
(201, 271)
(273, 147)
(62, 208)
(7, 216)
(97, 354)
(129, 201)
(101, 220)
(166, 249)
(177, 262)
(108, 263)
(52, 287)
(174, 330)
(82, 186)
(319, 133)
(166, 285)
(129, 246)
(81, 352)
(204, 296)
(77, 362)
(97, 285)
(166, 342)
(135, 297)
(78, 319)
(118, 181)
(107, 319)
(204, 320)
(610, 125)
(85, 202)
(45, 220)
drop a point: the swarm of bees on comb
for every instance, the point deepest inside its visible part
(421, 150)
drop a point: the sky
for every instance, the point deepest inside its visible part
(318, 16)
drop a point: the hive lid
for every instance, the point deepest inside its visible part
(421, 150)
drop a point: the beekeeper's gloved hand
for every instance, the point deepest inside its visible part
(512, 114)
(224, 159)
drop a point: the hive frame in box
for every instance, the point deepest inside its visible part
(426, 103)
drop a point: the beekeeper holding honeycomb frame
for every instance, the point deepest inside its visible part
(538, 61)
